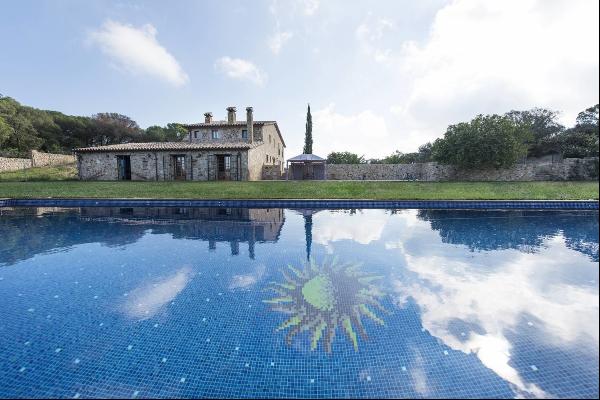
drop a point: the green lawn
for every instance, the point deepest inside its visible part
(60, 173)
(305, 190)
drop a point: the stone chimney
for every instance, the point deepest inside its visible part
(207, 118)
(231, 115)
(250, 124)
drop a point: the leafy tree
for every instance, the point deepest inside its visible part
(345, 157)
(399, 157)
(487, 141)
(75, 131)
(24, 128)
(308, 141)
(423, 155)
(425, 152)
(173, 132)
(544, 127)
(588, 119)
(577, 144)
(23, 136)
(5, 131)
(155, 133)
(111, 128)
(581, 140)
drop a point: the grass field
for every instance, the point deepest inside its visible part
(60, 182)
(60, 173)
(305, 190)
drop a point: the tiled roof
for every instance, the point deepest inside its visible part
(224, 123)
(306, 157)
(219, 124)
(167, 146)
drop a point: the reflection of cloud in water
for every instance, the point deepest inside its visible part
(494, 291)
(363, 227)
(247, 280)
(418, 376)
(147, 300)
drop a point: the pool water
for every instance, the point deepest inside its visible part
(205, 302)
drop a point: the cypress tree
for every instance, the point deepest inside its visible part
(308, 142)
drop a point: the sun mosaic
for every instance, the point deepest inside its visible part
(321, 298)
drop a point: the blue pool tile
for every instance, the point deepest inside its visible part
(443, 300)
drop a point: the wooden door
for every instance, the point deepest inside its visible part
(224, 167)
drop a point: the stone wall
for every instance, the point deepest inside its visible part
(14, 164)
(567, 169)
(39, 159)
(272, 172)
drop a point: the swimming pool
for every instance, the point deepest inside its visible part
(191, 302)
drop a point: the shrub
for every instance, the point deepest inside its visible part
(345, 157)
(490, 141)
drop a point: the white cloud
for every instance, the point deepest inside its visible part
(369, 36)
(309, 7)
(364, 227)
(306, 7)
(361, 133)
(490, 57)
(237, 68)
(279, 39)
(137, 51)
(246, 281)
(148, 299)
(453, 285)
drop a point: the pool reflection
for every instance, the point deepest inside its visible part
(468, 303)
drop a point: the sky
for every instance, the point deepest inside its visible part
(380, 76)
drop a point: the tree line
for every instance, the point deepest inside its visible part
(499, 141)
(24, 128)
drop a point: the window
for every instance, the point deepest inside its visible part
(244, 134)
(196, 134)
(216, 134)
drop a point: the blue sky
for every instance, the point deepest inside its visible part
(379, 75)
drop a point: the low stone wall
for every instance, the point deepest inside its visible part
(39, 159)
(14, 164)
(271, 172)
(566, 170)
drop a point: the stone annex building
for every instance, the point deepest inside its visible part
(213, 150)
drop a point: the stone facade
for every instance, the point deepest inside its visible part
(160, 165)
(269, 153)
(37, 159)
(219, 150)
(567, 169)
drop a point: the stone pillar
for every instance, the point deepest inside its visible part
(231, 115)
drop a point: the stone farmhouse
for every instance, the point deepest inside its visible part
(213, 150)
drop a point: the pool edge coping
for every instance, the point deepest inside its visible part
(301, 203)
